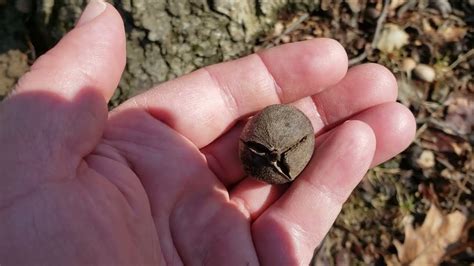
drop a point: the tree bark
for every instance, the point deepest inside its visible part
(168, 38)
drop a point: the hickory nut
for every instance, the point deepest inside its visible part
(276, 144)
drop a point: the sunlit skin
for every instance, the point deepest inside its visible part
(158, 179)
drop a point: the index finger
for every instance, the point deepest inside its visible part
(204, 104)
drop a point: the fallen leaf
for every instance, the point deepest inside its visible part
(427, 244)
(426, 159)
(460, 117)
(408, 92)
(440, 141)
(391, 38)
(451, 174)
(452, 33)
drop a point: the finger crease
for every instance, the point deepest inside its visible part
(339, 199)
(243, 207)
(320, 110)
(214, 164)
(227, 97)
(276, 87)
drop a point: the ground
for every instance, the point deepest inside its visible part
(425, 192)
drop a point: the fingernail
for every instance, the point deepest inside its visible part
(92, 10)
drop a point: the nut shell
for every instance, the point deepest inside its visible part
(276, 144)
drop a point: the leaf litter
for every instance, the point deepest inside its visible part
(435, 175)
(428, 244)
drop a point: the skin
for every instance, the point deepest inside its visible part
(158, 180)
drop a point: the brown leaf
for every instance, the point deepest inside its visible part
(460, 117)
(392, 38)
(427, 245)
(452, 33)
(408, 92)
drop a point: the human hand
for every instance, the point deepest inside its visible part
(158, 180)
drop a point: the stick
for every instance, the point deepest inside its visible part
(378, 29)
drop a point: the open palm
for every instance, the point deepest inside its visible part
(158, 179)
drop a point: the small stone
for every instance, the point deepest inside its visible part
(424, 72)
(276, 144)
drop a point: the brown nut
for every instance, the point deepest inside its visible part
(276, 144)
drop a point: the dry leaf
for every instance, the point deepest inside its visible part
(408, 92)
(426, 159)
(427, 245)
(451, 174)
(460, 117)
(453, 34)
(392, 38)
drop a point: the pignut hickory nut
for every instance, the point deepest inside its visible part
(276, 144)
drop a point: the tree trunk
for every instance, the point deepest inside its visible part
(168, 38)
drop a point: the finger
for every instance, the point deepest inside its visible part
(84, 68)
(293, 226)
(58, 109)
(364, 86)
(205, 103)
(72, 81)
(394, 128)
(91, 56)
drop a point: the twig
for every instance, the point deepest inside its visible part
(378, 29)
(409, 5)
(290, 28)
(295, 24)
(462, 189)
(461, 58)
(421, 130)
(358, 59)
(380, 22)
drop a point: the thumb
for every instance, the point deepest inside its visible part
(57, 112)
(91, 56)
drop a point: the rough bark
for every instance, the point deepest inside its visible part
(167, 38)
